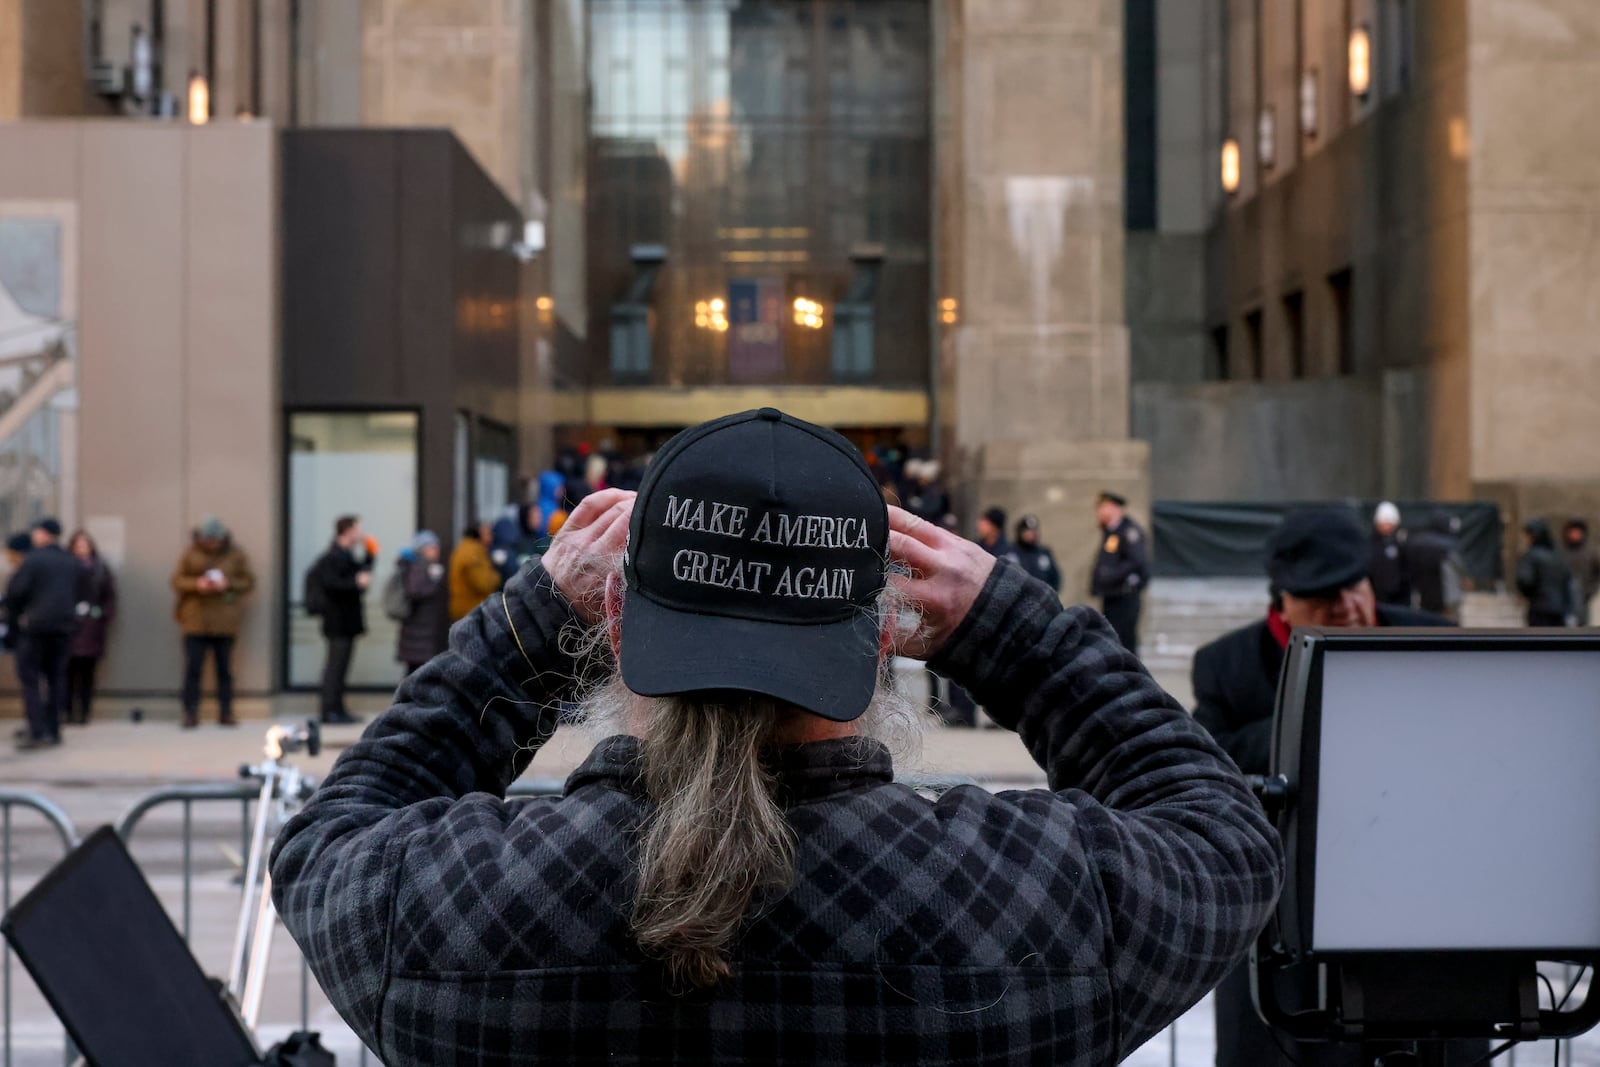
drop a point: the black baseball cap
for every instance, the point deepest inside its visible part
(756, 553)
(1318, 551)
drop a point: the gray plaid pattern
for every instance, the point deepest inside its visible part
(451, 926)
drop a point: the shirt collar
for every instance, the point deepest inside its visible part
(805, 772)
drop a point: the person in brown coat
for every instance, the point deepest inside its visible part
(212, 581)
(473, 578)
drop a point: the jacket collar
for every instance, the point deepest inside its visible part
(805, 772)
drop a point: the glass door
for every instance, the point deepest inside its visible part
(361, 463)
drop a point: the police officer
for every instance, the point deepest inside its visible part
(1318, 562)
(1121, 572)
(1033, 557)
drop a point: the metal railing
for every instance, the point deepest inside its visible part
(57, 820)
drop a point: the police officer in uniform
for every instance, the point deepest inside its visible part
(1318, 561)
(1033, 557)
(1122, 571)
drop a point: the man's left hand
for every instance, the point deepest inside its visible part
(584, 551)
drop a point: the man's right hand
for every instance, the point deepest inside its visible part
(946, 575)
(583, 552)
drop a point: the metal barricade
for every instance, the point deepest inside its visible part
(57, 820)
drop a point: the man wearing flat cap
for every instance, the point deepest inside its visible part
(1318, 562)
(1122, 569)
(733, 874)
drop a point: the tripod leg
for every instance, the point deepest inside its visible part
(255, 985)
(252, 873)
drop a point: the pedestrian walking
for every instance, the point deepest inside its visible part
(337, 584)
(427, 594)
(1317, 562)
(96, 607)
(1438, 574)
(1387, 568)
(473, 578)
(1033, 557)
(213, 579)
(1583, 560)
(992, 533)
(42, 597)
(1122, 570)
(733, 875)
(1543, 578)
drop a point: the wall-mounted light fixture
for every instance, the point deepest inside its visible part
(949, 311)
(807, 313)
(712, 315)
(1230, 166)
(1361, 61)
(1310, 101)
(1267, 137)
(199, 99)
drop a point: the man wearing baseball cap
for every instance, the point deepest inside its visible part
(733, 875)
(1317, 562)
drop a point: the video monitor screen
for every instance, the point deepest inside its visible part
(1458, 801)
(116, 970)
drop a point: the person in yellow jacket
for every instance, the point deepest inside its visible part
(473, 576)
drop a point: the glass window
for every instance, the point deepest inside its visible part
(761, 143)
(349, 463)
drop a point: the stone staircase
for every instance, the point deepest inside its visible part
(1182, 614)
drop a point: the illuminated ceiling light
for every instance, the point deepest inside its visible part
(1310, 101)
(1361, 61)
(199, 100)
(1230, 166)
(718, 306)
(544, 303)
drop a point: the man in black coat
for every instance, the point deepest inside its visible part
(42, 601)
(1122, 569)
(343, 581)
(1317, 561)
(1543, 578)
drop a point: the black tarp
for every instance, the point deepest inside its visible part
(1228, 539)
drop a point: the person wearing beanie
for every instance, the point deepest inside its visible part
(212, 581)
(1316, 565)
(992, 533)
(1122, 570)
(42, 596)
(422, 580)
(1387, 567)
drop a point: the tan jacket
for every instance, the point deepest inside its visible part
(212, 614)
(472, 577)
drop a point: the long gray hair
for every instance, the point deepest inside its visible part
(717, 842)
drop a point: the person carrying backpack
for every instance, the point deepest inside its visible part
(417, 597)
(335, 589)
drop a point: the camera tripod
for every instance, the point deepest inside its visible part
(283, 790)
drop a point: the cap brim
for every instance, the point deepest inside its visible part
(829, 669)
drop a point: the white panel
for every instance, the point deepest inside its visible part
(1457, 801)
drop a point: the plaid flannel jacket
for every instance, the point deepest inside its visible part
(451, 926)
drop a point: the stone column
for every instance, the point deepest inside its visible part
(1034, 372)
